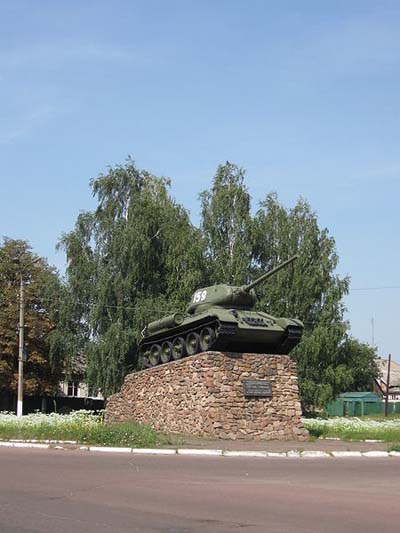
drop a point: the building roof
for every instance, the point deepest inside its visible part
(394, 372)
(371, 396)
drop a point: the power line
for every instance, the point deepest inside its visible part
(375, 288)
(91, 305)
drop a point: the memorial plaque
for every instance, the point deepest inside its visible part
(257, 388)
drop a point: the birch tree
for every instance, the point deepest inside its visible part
(226, 226)
(134, 258)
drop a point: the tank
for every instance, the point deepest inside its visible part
(220, 317)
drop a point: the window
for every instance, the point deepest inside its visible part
(73, 387)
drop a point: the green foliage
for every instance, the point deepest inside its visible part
(310, 289)
(81, 426)
(129, 434)
(132, 259)
(354, 429)
(361, 358)
(240, 247)
(328, 360)
(137, 257)
(226, 226)
(41, 371)
(381, 416)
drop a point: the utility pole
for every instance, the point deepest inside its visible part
(372, 331)
(387, 386)
(21, 347)
(21, 328)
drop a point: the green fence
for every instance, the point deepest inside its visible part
(344, 407)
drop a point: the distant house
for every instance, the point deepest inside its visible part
(74, 392)
(380, 386)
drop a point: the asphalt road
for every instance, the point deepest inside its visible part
(74, 491)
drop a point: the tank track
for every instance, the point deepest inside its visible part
(225, 332)
(293, 337)
(225, 335)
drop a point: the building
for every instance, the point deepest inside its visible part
(381, 383)
(74, 392)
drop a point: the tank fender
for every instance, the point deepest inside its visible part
(285, 322)
(169, 321)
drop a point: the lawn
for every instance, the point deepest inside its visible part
(355, 429)
(85, 427)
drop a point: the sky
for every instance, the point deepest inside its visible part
(303, 95)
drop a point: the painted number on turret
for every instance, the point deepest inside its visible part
(199, 296)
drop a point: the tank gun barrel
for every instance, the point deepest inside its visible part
(268, 274)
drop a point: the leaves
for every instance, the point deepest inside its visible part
(240, 246)
(133, 259)
(226, 226)
(137, 257)
(41, 372)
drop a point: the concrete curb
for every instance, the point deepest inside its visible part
(24, 445)
(196, 451)
(346, 454)
(315, 454)
(45, 441)
(292, 454)
(244, 453)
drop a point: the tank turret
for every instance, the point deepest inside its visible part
(230, 296)
(220, 317)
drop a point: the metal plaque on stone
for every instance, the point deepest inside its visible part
(257, 388)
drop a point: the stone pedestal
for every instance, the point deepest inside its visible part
(203, 395)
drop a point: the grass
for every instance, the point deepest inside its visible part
(381, 417)
(84, 427)
(87, 427)
(355, 429)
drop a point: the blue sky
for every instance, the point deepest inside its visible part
(304, 95)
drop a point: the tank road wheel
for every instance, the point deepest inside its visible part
(192, 343)
(207, 338)
(155, 352)
(178, 348)
(145, 358)
(166, 352)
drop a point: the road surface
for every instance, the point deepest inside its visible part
(75, 491)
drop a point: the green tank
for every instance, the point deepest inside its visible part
(220, 317)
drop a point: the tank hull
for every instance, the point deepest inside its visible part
(233, 330)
